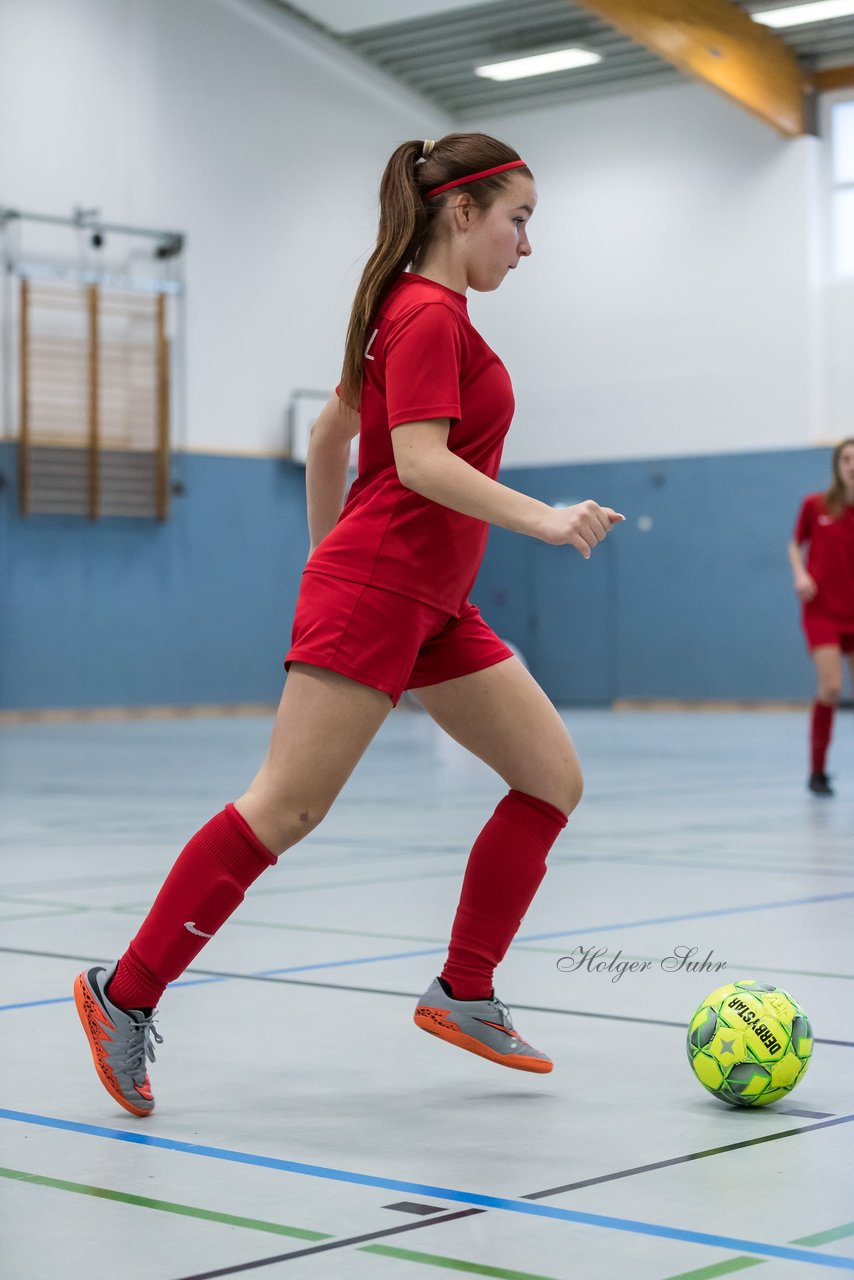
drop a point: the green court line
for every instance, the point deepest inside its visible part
(123, 907)
(255, 1224)
(77, 882)
(351, 884)
(825, 1237)
(348, 933)
(428, 1259)
(718, 1269)
(451, 1264)
(44, 915)
(308, 888)
(17, 899)
(165, 1206)
(133, 908)
(741, 1263)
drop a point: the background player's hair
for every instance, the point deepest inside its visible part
(834, 499)
(406, 221)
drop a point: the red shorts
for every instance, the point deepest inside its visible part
(820, 630)
(386, 640)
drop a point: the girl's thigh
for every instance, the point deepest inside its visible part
(324, 724)
(503, 717)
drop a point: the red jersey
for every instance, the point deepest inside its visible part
(830, 560)
(424, 359)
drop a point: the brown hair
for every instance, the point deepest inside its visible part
(406, 222)
(834, 499)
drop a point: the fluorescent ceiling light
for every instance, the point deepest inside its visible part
(538, 65)
(797, 15)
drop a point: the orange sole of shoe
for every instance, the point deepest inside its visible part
(462, 1041)
(81, 999)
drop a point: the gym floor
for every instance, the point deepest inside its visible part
(304, 1126)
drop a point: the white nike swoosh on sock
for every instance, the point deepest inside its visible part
(191, 928)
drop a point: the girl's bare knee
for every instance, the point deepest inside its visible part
(564, 789)
(572, 790)
(279, 823)
(295, 822)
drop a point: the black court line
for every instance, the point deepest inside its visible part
(535, 1195)
(805, 1115)
(409, 1206)
(694, 1155)
(378, 991)
(330, 1244)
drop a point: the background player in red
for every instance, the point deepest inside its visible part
(825, 585)
(384, 607)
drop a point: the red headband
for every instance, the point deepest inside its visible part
(475, 177)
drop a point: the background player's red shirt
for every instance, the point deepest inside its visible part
(424, 359)
(830, 559)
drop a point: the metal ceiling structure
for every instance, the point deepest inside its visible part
(436, 52)
(437, 55)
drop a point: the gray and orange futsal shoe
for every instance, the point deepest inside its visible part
(483, 1027)
(120, 1041)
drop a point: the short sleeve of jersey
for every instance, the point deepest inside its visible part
(804, 525)
(423, 353)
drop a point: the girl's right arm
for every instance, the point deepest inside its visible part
(327, 465)
(805, 584)
(426, 465)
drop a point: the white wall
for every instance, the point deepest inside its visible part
(676, 302)
(212, 117)
(668, 305)
(837, 312)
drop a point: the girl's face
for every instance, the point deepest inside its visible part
(497, 237)
(845, 467)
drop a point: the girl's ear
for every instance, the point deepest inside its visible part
(463, 209)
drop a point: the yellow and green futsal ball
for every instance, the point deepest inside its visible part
(749, 1043)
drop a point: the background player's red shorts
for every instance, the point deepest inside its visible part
(820, 630)
(386, 640)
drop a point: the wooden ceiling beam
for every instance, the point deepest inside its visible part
(720, 44)
(833, 78)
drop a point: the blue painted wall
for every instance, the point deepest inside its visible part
(120, 612)
(699, 606)
(198, 610)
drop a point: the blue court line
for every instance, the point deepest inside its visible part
(530, 937)
(443, 1193)
(31, 1004)
(182, 982)
(574, 932)
(691, 915)
(337, 964)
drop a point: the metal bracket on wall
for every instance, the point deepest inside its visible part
(93, 357)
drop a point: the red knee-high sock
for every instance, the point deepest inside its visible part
(204, 887)
(504, 871)
(821, 729)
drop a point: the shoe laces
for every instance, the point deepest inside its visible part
(504, 1011)
(141, 1046)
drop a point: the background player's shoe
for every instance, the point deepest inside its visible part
(120, 1041)
(820, 784)
(483, 1027)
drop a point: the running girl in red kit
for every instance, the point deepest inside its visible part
(384, 607)
(825, 585)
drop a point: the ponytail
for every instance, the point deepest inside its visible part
(403, 223)
(406, 218)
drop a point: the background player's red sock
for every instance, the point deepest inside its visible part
(504, 871)
(204, 887)
(820, 731)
